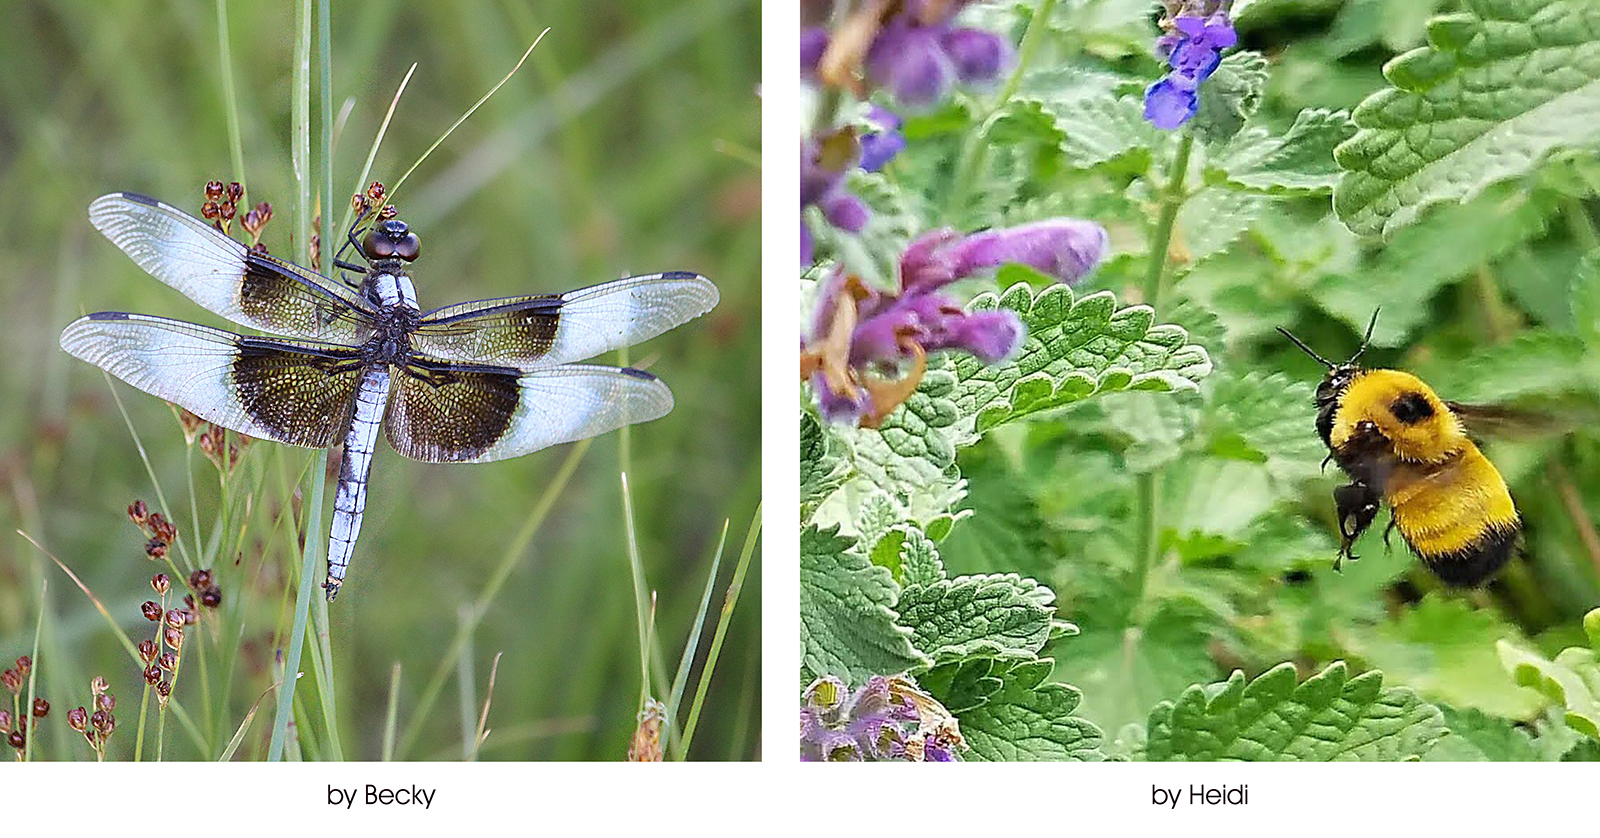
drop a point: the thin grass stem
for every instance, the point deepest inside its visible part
(391, 713)
(686, 661)
(730, 600)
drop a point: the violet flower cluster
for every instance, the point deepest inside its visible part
(1195, 35)
(859, 332)
(887, 719)
(826, 163)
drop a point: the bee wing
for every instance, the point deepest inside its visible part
(1511, 422)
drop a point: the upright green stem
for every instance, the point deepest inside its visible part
(975, 148)
(1171, 201)
(1148, 546)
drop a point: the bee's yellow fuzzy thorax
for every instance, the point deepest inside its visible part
(1374, 395)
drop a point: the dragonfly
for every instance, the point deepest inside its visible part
(472, 382)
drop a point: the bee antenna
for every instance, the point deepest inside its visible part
(1306, 349)
(1368, 338)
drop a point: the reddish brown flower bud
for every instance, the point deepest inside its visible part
(164, 688)
(210, 210)
(200, 579)
(41, 708)
(16, 739)
(229, 209)
(214, 190)
(188, 602)
(174, 618)
(161, 583)
(155, 549)
(164, 529)
(5, 721)
(235, 191)
(98, 719)
(388, 212)
(151, 611)
(259, 247)
(12, 680)
(168, 661)
(98, 685)
(24, 664)
(152, 674)
(376, 191)
(138, 512)
(106, 702)
(147, 650)
(211, 597)
(174, 638)
(78, 719)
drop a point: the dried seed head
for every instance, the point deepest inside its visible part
(41, 708)
(210, 211)
(211, 597)
(161, 528)
(229, 210)
(164, 689)
(174, 618)
(78, 719)
(12, 680)
(214, 190)
(376, 191)
(235, 192)
(174, 638)
(24, 664)
(17, 739)
(168, 661)
(155, 549)
(161, 583)
(147, 650)
(387, 212)
(106, 702)
(200, 579)
(152, 674)
(138, 512)
(99, 719)
(151, 611)
(98, 685)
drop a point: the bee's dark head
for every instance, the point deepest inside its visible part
(1339, 375)
(390, 239)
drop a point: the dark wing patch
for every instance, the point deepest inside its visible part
(446, 413)
(247, 287)
(296, 392)
(542, 331)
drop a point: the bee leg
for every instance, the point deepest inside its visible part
(1386, 531)
(1327, 459)
(1356, 505)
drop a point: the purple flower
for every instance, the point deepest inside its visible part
(1192, 47)
(813, 43)
(979, 57)
(858, 331)
(888, 718)
(910, 61)
(824, 165)
(879, 147)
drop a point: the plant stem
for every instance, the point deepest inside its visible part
(974, 150)
(1171, 201)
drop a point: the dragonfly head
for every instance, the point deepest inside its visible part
(390, 239)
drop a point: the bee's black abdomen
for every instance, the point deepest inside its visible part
(1475, 564)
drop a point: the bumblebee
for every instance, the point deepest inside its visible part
(1401, 444)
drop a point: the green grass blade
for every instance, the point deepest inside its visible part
(681, 679)
(452, 128)
(391, 715)
(302, 608)
(244, 727)
(372, 153)
(464, 680)
(230, 99)
(33, 671)
(640, 593)
(728, 603)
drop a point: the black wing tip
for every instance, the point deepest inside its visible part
(108, 315)
(681, 275)
(639, 374)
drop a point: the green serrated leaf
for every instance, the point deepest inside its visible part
(1498, 89)
(976, 616)
(919, 560)
(1476, 737)
(1072, 109)
(847, 617)
(1571, 680)
(963, 685)
(1029, 720)
(1213, 218)
(1297, 162)
(1075, 348)
(1331, 716)
(1230, 96)
(822, 469)
(1444, 649)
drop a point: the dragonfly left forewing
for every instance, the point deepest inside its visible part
(542, 331)
(296, 392)
(446, 412)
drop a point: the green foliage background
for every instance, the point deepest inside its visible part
(1158, 471)
(629, 142)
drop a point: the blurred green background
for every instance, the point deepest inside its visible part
(628, 143)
